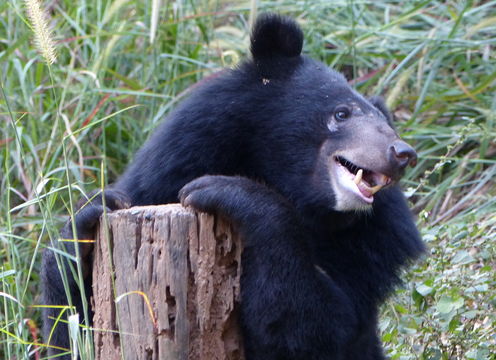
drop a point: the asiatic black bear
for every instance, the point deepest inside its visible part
(307, 169)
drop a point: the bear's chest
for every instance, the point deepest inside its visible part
(358, 271)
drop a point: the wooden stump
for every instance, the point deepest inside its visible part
(166, 286)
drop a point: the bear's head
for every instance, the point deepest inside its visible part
(328, 144)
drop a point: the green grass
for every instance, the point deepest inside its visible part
(68, 127)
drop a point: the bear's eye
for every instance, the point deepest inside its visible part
(342, 113)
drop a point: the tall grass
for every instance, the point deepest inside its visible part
(122, 65)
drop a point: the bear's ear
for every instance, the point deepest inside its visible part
(275, 36)
(378, 102)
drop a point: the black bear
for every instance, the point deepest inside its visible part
(307, 169)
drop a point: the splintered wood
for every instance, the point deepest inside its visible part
(166, 286)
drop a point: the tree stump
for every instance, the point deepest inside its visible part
(166, 286)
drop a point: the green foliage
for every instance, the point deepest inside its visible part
(447, 310)
(72, 126)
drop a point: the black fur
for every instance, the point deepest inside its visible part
(275, 35)
(276, 44)
(378, 102)
(254, 145)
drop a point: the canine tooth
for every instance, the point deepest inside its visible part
(376, 188)
(358, 177)
(384, 179)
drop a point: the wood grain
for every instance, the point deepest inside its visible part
(187, 266)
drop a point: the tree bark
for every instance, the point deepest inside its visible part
(166, 286)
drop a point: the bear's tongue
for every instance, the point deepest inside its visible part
(368, 191)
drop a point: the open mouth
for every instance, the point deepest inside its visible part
(363, 182)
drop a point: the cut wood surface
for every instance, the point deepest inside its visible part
(166, 286)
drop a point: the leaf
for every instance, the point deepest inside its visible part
(462, 257)
(424, 289)
(471, 314)
(477, 288)
(7, 273)
(10, 297)
(73, 332)
(447, 304)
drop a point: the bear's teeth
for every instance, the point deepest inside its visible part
(382, 179)
(376, 188)
(358, 177)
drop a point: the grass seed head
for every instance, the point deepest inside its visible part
(43, 38)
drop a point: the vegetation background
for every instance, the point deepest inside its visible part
(83, 84)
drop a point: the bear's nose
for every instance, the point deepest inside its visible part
(402, 154)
